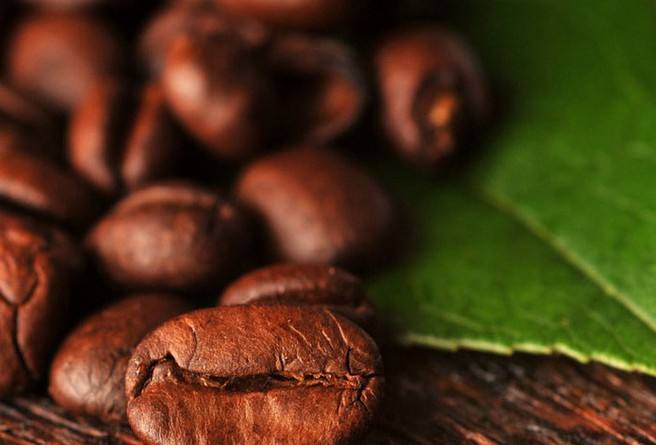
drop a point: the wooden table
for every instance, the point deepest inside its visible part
(441, 398)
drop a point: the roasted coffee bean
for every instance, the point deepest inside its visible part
(88, 373)
(318, 207)
(305, 284)
(432, 93)
(37, 267)
(213, 84)
(58, 57)
(172, 236)
(37, 184)
(305, 14)
(24, 124)
(122, 137)
(322, 86)
(205, 18)
(254, 375)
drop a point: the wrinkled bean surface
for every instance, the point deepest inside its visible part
(254, 375)
(88, 373)
(37, 268)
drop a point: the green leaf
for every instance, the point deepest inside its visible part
(552, 245)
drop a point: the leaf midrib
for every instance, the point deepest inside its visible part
(562, 250)
(626, 81)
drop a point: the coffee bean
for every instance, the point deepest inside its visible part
(24, 124)
(318, 207)
(322, 86)
(254, 375)
(432, 93)
(58, 57)
(37, 184)
(304, 14)
(307, 284)
(123, 138)
(204, 18)
(88, 373)
(37, 267)
(213, 84)
(172, 236)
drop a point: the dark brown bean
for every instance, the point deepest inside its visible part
(304, 14)
(122, 138)
(172, 236)
(24, 124)
(58, 57)
(88, 373)
(37, 184)
(179, 19)
(318, 207)
(322, 86)
(37, 266)
(432, 93)
(213, 84)
(254, 375)
(307, 284)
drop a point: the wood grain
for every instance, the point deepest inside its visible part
(439, 398)
(471, 398)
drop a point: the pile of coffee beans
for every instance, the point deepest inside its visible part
(178, 227)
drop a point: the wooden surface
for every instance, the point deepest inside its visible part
(441, 398)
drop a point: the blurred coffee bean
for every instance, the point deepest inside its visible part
(37, 184)
(322, 86)
(203, 18)
(172, 236)
(318, 207)
(88, 373)
(37, 266)
(302, 14)
(432, 93)
(24, 124)
(58, 57)
(254, 375)
(305, 284)
(215, 86)
(122, 137)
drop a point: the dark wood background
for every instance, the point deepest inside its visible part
(440, 398)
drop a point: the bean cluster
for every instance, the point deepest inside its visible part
(179, 231)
